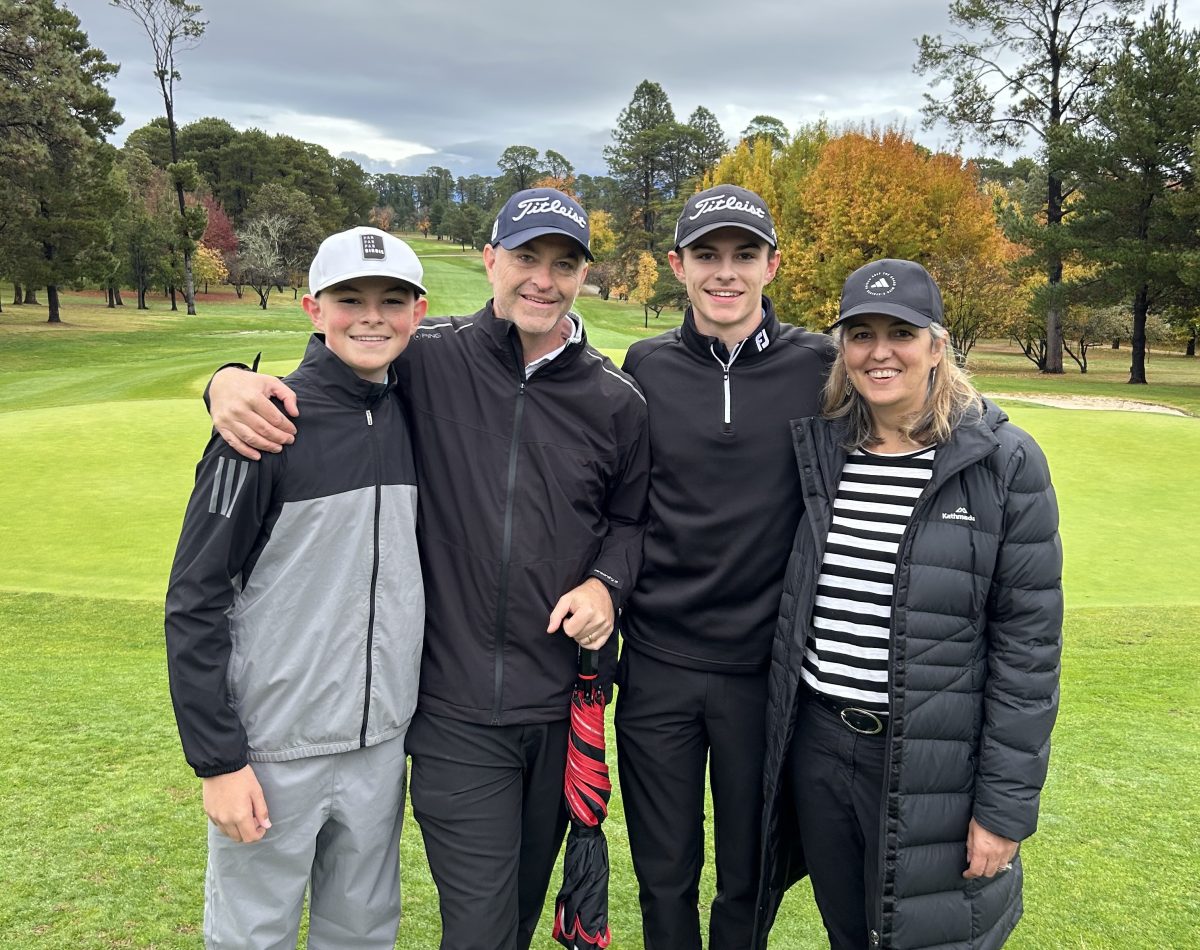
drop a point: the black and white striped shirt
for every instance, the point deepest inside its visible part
(849, 647)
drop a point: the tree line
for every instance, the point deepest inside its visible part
(1095, 237)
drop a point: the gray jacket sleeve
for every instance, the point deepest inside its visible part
(1024, 634)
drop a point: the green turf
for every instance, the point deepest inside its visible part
(102, 840)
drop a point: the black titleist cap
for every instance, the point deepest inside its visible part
(726, 206)
(893, 288)
(536, 211)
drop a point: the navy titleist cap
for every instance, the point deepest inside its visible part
(726, 206)
(536, 211)
(893, 288)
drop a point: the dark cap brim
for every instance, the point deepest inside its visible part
(907, 314)
(716, 226)
(513, 241)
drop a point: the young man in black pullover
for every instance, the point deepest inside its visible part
(724, 506)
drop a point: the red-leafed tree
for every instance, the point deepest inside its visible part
(218, 233)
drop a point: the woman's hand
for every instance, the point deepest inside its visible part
(987, 854)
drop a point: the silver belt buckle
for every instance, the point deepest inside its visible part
(862, 721)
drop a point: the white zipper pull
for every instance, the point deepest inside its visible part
(727, 406)
(370, 420)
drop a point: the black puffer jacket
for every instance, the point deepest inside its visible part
(976, 638)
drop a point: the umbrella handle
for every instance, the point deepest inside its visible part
(589, 663)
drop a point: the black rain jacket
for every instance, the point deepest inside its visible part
(528, 488)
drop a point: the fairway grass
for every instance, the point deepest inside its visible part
(102, 844)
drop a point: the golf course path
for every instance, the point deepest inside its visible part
(1090, 402)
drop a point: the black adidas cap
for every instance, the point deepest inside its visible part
(894, 288)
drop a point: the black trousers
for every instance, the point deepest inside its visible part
(837, 790)
(489, 800)
(671, 723)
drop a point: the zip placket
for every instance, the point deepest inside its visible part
(725, 367)
(903, 550)
(362, 736)
(506, 555)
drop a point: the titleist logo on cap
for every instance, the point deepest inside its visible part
(545, 206)
(721, 202)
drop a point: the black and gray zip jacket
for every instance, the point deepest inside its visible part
(295, 609)
(528, 487)
(724, 492)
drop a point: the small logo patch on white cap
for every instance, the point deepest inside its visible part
(372, 248)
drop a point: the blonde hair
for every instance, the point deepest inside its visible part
(950, 398)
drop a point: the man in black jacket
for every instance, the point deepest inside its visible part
(532, 449)
(724, 505)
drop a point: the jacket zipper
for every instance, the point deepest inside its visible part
(362, 736)
(506, 556)
(725, 368)
(902, 553)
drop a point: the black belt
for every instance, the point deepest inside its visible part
(854, 718)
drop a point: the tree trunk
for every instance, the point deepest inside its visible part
(52, 300)
(1137, 368)
(1054, 270)
(17, 298)
(141, 295)
(117, 295)
(31, 296)
(111, 297)
(174, 305)
(1191, 345)
(1116, 343)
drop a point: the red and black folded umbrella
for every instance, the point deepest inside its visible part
(581, 908)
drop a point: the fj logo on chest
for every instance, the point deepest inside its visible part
(958, 514)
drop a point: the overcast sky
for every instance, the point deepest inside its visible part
(400, 85)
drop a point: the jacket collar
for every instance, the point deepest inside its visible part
(505, 343)
(819, 441)
(341, 382)
(755, 344)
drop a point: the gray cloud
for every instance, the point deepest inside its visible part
(463, 80)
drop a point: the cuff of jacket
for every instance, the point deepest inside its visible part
(224, 768)
(615, 590)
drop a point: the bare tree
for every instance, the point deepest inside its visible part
(173, 27)
(261, 258)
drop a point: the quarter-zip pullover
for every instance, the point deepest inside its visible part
(295, 609)
(723, 499)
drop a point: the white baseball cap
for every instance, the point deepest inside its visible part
(363, 252)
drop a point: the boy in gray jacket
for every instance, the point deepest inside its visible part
(294, 623)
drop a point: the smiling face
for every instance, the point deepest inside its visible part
(367, 321)
(725, 272)
(534, 286)
(889, 363)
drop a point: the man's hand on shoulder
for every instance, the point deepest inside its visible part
(242, 411)
(585, 614)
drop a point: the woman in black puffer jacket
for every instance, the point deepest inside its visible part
(914, 674)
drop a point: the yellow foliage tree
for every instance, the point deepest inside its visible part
(208, 266)
(604, 238)
(647, 277)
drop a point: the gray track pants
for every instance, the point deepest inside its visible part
(335, 826)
